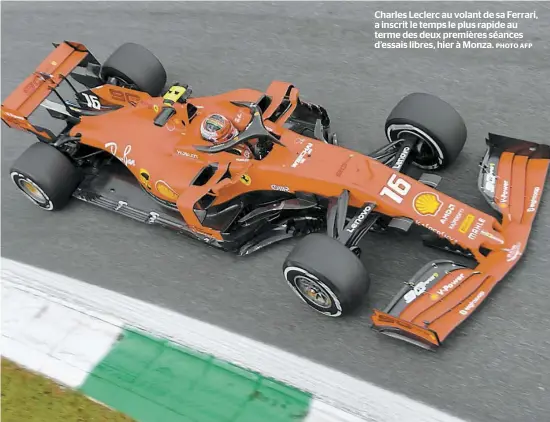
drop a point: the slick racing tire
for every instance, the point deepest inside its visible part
(326, 275)
(133, 64)
(45, 176)
(435, 123)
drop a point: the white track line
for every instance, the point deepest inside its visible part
(326, 384)
(45, 336)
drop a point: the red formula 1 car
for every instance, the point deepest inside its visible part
(245, 169)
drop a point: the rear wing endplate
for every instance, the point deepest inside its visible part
(49, 74)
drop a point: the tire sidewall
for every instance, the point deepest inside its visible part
(137, 66)
(436, 122)
(291, 274)
(51, 172)
(17, 177)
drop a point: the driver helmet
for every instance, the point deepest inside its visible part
(217, 128)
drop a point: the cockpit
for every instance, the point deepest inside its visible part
(254, 141)
(255, 136)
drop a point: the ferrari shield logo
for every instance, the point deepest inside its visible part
(245, 178)
(427, 203)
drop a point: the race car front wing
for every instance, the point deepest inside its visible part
(442, 294)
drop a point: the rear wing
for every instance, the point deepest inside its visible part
(49, 74)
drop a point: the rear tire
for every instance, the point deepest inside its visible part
(326, 275)
(435, 122)
(133, 64)
(45, 176)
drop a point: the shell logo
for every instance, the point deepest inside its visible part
(166, 190)
(427, 203)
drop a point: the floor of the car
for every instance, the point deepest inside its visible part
(115, 188)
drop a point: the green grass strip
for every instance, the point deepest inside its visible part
(29, 397)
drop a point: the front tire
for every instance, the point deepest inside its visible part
(45, 176)
(440, 129)
(326, 275)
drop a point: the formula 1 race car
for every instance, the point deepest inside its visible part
(277, 171)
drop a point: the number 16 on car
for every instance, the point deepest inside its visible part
(396, 188)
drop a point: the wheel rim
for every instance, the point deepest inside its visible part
(125, 82)
(122, 81)
(313, 292)
(426, 154)
(429, 153)
(32, 191)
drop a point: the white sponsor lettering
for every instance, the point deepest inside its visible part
(513, 253)
(302, 157)
(448, 212)
(239, 117)
(438, 232)
(472, 304)
(360, 218)
(113, 148)
(490, 179)
(448, 287)
(476, 229)
(534, 200)
(281, 188)
(505, 192)
(456, 219)
(187, 154)
(420, 288)
(404, 154)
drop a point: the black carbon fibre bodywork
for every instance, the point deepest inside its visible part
(248, 223)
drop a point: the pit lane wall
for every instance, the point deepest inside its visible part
(159, 366)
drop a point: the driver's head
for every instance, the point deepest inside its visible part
(217, 128)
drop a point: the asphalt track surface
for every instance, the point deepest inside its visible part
(494, 368)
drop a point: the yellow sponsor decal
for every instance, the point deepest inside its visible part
(166, 190)
(434, 296)
(174, 94)
(245, 178)
(427, 203)
(465, 226)
(145, 178)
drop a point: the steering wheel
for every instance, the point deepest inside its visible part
(254, 129)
